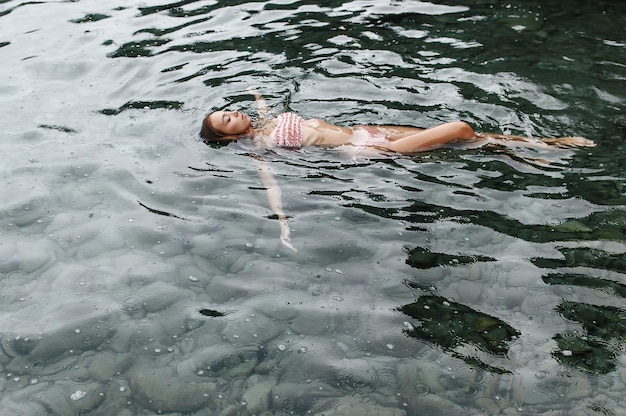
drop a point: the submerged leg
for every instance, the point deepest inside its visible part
(411, 140)
(540, 142)
(431, 138)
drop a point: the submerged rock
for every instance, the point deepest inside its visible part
(52, 352)
(159, 296)
(258, 396)
(163, 390)
(104, 365)
(89, 335)
(301, 398)
(69, 398)
(221, 360)
(358, 405)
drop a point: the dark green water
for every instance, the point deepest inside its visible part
(140, 269)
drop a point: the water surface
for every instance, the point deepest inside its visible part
(140, 268)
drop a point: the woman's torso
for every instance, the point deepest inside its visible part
(317, 132)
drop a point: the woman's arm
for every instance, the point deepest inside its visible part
(262, 107)
(274, 196)
(274, 200)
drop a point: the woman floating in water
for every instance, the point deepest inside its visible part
(292, 131)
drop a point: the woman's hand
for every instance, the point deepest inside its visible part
(260, 101)
(284, 235)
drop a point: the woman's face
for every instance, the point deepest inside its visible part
(230, 123)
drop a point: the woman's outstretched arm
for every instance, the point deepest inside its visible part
(262, 107)
(274, 199)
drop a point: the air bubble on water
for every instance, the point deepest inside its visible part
(282, 347)
(77, 395)
(390, 346)
(193, 278)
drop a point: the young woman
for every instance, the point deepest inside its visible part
(292, 131)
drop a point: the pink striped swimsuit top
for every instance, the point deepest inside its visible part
(288, 131)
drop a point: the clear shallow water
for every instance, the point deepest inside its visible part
(140, 268)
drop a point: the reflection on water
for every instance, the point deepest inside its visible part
(451, 325)
(600, 346)
(140, 269)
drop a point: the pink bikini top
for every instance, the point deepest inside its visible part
(288, 131)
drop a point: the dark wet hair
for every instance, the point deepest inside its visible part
(210, 133)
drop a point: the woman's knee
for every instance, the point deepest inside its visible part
(464, 130)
